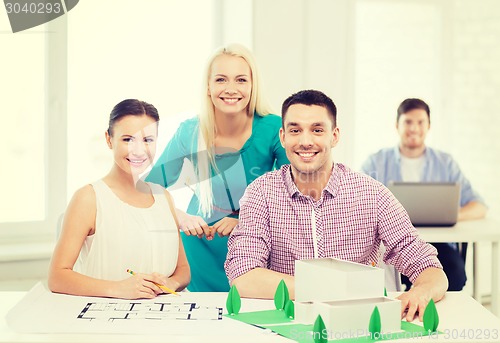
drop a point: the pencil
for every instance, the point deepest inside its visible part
(165, 288)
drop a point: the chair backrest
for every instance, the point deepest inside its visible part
(392, 276)
(462, 248)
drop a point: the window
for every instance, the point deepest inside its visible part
(33, 180)
(23, 168)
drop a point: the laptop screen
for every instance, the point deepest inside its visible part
(429, 203)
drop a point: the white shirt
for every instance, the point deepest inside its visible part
(412, 169)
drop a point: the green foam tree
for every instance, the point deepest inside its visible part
(281, 296)
(318, 330)
(233, 301)
(375, 325)
(290, 309)
(431, 317)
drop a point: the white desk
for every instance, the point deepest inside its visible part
(459, 314)
(487, 230)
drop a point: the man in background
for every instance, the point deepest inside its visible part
(412, 161)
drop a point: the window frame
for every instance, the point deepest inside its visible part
(54, 112)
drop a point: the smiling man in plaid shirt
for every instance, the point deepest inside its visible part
(315, 208)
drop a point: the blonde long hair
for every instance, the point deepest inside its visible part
(207, 129)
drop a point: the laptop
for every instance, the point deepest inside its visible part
(429, 203)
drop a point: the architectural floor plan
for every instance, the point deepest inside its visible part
(113, 311)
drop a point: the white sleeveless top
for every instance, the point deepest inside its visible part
(144, 240)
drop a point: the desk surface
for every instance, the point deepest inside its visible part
(481, 230)
(461, 319)
(464, 231)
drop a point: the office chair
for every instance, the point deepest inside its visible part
(462, 247)
(392, 276)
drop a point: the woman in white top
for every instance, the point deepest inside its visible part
(121, 223)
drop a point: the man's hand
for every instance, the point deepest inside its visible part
(430, 284)
(413, 304)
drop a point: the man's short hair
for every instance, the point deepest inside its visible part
(413, 104)
(310, 97)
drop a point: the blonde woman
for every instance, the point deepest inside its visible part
(233, 141)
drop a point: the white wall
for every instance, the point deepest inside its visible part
(369, 55)
(308, 44)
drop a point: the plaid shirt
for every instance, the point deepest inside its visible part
(354, 214)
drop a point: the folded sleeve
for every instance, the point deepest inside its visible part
(249, 244)
(405, 250)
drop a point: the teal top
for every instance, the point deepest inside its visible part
(262, 152)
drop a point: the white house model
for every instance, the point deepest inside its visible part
(345, 295)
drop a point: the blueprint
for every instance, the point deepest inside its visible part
(41, 311)
(113, 311)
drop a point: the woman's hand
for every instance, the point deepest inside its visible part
(139, 286)
(168, 282)
(225, 226)
(193, 225)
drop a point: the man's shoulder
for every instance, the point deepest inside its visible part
(270, 178)
(441, 159)
(383, 153)
(357, 185)
(348, 176)
(436, 153)
(269, 187)
(381, 162)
